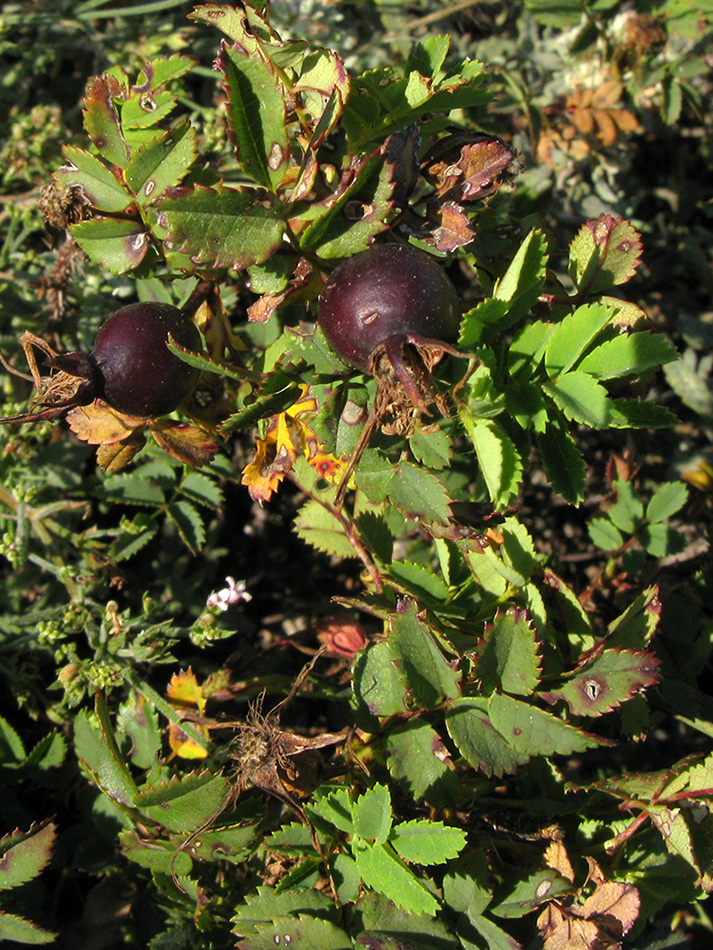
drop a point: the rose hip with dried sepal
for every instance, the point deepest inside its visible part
(391, 311)
(130, 366)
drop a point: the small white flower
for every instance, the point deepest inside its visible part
(234, 592)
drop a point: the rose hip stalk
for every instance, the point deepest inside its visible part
(391, 311)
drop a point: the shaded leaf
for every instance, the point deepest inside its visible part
(478, 740)
(563, 461)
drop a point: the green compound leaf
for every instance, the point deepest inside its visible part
(580, 398)
(508, 656)
(220, 227)
(477, 739)
(666, 501)
(24, 854)
(637, 414)
(161, 163)
(498, 459)
(628, 354)
(530, 730)
(316, 525)
(419, 494)
(297, 933)
(605, 535)
(358, 211)
(563, 461)
(612, 679)
(97, 182)
(427, 842)
(256, 113)
(574, 335)
(628, 510)
(371, 814)
(116, 245)
(603, 253)
(384, 871)
(427, 674)
(267, 903)
(379, 688)
(515, 293)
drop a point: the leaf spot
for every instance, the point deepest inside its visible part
(542, 889)
(149, 187)
(592, 688)
(147, 103)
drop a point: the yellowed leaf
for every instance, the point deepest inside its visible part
(184, 692)
(116, 455)
(556, 857)
(99, 424)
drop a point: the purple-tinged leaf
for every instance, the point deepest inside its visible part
(612, 679)
(24, 854)
(101, 119)
(115, 244)
(603, 253)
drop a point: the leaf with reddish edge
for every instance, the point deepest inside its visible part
(220, 227)
(187, 443)
(114, 457)
(603, 253)
(26, 853)
(256, 112)
(116, 244)
(609, 681)
(101, 119)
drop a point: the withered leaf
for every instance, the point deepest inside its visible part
(99, 424)
(469, 166)
(117, 455)
(187, 443)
